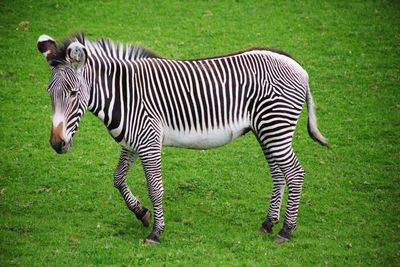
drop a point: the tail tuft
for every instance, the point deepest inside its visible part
(313, 131)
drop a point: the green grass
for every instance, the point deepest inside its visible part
(63, 210)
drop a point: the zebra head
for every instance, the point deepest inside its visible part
(69, 91)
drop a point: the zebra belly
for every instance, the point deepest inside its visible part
(203, 139)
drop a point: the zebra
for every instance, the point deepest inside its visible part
(147, 101)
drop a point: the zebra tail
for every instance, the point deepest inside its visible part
(313, 131)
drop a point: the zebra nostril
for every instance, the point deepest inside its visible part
(62, 143)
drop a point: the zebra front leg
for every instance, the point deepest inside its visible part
(120, 175)
(294, 175)
(152, 166)
(278, 181)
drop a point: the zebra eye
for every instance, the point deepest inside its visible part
(73, 93)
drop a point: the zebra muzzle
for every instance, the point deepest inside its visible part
(57, 141)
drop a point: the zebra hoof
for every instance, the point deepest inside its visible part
(266, 227)
(152, 239)
(262, 230)
(280, 239)
(284, 234)
(146, 218)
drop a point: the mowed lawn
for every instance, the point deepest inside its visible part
(64, 211)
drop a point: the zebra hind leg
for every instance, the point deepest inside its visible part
(120, 176)
(276, 198)
(294, 175)
(277, 148)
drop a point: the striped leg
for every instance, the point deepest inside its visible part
(294, 175)
(278, 181)
(125, 161)
(275, 135)
(151, 161)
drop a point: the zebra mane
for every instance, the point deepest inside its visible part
(118, 50)
(106, 46)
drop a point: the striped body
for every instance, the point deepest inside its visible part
(147, 102)
(202, 103)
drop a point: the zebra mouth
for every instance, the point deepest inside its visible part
(61, 147)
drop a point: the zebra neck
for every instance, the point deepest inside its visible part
(113, 97)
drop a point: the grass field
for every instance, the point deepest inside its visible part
(64, 211)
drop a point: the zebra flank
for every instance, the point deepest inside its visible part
(147, 102)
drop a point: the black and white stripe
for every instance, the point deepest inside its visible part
(148, 102)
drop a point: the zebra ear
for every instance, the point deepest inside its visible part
(47, 46)
(76, 55)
